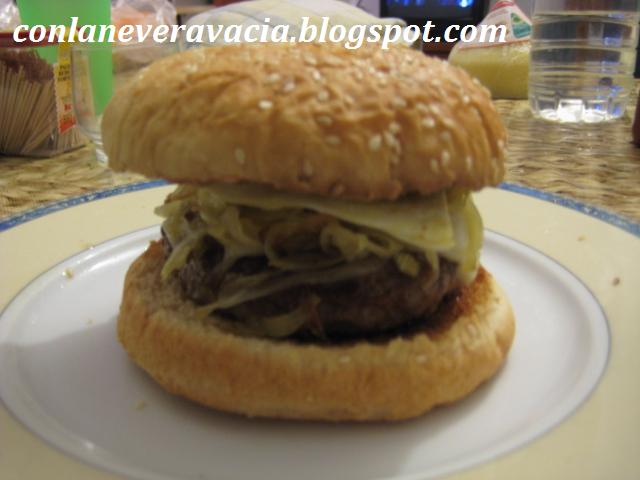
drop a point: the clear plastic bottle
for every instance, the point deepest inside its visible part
(583, 56)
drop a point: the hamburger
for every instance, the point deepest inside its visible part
(319, 258)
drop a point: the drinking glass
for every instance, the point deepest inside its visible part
(583, 56)
(124, 61)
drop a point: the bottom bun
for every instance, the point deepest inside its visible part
(396, 378)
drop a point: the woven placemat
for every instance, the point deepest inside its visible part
(27, 183)
(595, 164)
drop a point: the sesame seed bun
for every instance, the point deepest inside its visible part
(385, 380)
(318, 118)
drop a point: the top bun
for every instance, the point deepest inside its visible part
(308, 117)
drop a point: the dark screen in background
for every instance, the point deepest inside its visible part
(429, 8)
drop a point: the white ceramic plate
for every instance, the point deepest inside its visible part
(64, 375)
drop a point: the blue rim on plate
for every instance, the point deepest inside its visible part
(20, 218)
(600, 214)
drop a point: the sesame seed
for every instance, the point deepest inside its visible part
(394, 127)
(428, 122)
(324, 120)
(265, 104)
(310, 60)
(422, 107)
(288, 87)
(372, 70)
(349, 99)
(375, 143)
(358, 74)
(333, 140)
(445, 136)
(435, 109)
(307, 169)
(345, 359)
(240, 156)
(390, 139)
(323, 96)
(399, 102)
(316, 75)
(272, 78)
(448, 123)
(421, 359)
(446, 157)
(333, 61)
(501, 144)
(434, 165)
(466, 99)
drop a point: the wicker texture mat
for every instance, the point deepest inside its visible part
(27, 183)
(595, 164)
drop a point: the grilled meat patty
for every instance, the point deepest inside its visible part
(370, 304)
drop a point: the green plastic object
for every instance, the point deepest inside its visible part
(89, 12)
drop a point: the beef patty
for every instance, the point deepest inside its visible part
(383, 300)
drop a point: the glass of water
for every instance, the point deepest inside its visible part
(583, 55)
(100, 69)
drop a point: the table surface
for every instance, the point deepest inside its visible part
(595, 164)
